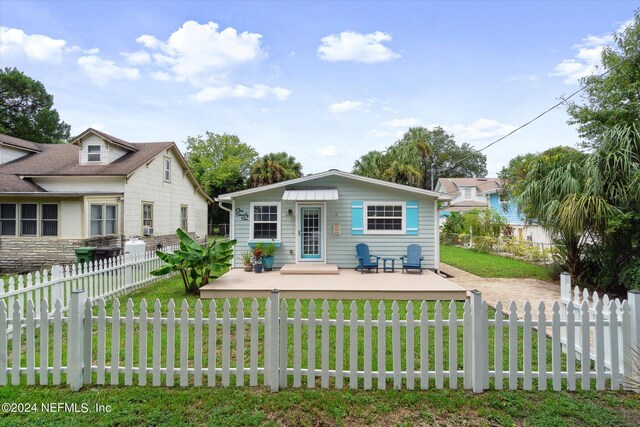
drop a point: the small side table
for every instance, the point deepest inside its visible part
(391, 269)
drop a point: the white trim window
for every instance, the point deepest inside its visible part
(8, 219)
(264, 221)
(184, 217)
(94, 153)
(28, 219)
(104, 220)
(467, 193)
(147, 214)
(167, 169)
(49, 219)
(384, 217)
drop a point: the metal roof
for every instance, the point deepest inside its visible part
(311, 194)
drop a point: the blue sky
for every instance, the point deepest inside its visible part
(323, 81)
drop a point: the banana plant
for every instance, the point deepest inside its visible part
(197, 264)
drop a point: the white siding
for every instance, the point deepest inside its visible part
(82, 184)
(147, 184)
(8, 154)
(340, 249)
(109, 152)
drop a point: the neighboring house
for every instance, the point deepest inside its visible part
(96, 191)
(321, 217)
(484, 193)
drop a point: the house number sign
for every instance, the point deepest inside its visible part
(244, 216)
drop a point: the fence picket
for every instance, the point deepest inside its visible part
(142, 344)
(171, 343)
(197, 344)
(211, 342)
(382, 347)
(253, 354)
(585, 346)
(513, 346)
(57, 342)
(498, 344)
(102, 342)
(526, 347)
(395, 341)
(226, 344)
(467, 344)
(353, 346)
(297, 344)
(128, 345)
(599, 338)
(184, 343)
(424, 345)
(239, 343)
(324, 381)
(367, 346)
(339, 368)
(571, 347)
(157, 342)
(613, 345)
(115, 342)
(311, 345)
(284, 341)
(438, 353)
(555, 346)
(453, 346)
(410, 349)
(542, 347)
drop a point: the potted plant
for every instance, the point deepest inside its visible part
(246, 260)
(268, 256)
(257, 258)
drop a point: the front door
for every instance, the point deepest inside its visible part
(311, 229)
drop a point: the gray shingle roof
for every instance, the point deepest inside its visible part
(10, 183)
(19, 143)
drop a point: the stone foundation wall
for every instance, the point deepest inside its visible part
(22, 255)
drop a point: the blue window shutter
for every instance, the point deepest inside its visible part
(357, 216)
(412, 219)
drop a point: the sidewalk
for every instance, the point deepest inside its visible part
(507, 290)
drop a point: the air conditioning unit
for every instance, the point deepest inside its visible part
(148, 231)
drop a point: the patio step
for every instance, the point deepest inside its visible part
(309, 269)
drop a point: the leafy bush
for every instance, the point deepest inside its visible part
(197, 264)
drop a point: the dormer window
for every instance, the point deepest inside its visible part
(94, 153)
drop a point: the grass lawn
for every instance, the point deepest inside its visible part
(487, 265)
(258, 406)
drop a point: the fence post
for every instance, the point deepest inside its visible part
(56, 288)
(274, 345)
(633, 296)
(477, 376)
(565, 286)
(75, 356)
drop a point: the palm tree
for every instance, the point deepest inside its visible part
(372, 165)
(274, 167)
(420, 139)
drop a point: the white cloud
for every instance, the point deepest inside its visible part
(480, 129)
(101, 71)
(327, 151)
(138, 58)
(196, 51)
(341, 107)
(36, 47)
(240, 91)
(161, 76)
(402, 123)
(352, 46)
(523, 77)
(376, 133)
(587, 59)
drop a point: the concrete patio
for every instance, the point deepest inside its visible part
(346, 285)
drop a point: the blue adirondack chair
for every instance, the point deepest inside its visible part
(365, 258)
(412, 260)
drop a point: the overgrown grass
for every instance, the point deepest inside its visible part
(487, 265)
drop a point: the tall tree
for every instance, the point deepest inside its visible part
(221, 164)
(274, 167)
(613, 96)
(422, 150)
(26, 110)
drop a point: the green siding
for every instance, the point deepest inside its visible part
(341, 248)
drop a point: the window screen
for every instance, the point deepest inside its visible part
(8, 219)
(49, 220)
(28, 219)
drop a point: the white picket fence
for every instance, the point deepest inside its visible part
(99, 279)
(403, 350)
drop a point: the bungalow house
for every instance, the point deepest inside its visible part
(485, 193)
(321, 217)
(95, 191)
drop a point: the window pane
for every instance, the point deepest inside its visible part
(29, 211)
(265, 230)
(110, 212)
(49, 225)
(110, 219)
(49, 212)
(29, 221)
(96, 212)
(93, 153)
(8, 219)
(147, 215)
(110, 226)
(7, 211)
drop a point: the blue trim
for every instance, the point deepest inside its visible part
(302, 254)
(357, 217)
(253, 243)
(412, 219)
